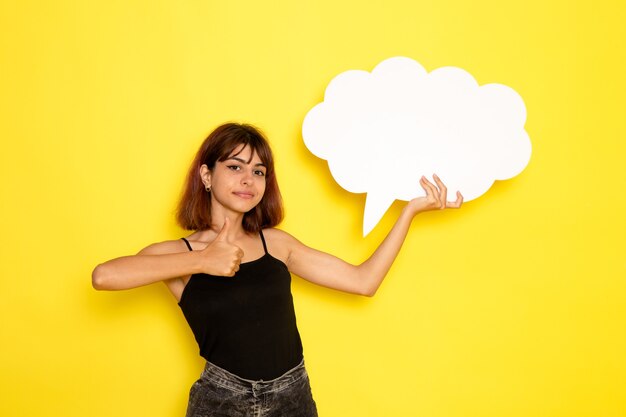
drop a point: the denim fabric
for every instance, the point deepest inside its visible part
(220, 393)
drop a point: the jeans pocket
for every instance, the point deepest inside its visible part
(207, 398)
(296, 400)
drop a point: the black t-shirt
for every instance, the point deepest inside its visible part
(245, 324)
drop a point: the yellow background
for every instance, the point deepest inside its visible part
(513, 306)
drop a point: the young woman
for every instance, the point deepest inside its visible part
(231, 276)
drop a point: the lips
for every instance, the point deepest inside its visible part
(244, 195)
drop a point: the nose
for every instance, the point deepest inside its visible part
(247, 178)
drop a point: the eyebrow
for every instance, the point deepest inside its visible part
(246, 162)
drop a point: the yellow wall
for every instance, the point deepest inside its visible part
(513, 306)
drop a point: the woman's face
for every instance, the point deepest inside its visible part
(238, 183)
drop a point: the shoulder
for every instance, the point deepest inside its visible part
(165, 247)
(278, 237)
(281, 244)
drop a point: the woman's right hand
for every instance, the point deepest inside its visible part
(221, 257)
(168, 261)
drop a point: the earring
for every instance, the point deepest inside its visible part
(208, 188)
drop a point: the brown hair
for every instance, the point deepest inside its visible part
(194, 208)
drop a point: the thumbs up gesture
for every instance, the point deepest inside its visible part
(222, 258)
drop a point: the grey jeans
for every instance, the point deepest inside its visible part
(220, 393)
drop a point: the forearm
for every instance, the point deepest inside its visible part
(327, 270)
(375, 268)
(138, 270)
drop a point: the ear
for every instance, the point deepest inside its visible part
(205, 175)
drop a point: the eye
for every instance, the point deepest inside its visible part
(233, 167)
(259, 173)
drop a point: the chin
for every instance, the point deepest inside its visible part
(245, 208)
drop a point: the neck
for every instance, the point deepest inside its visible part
(235, 220)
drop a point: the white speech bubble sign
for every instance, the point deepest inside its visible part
(381, 131)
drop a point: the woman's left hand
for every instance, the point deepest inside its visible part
(435, 199)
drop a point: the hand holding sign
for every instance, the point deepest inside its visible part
(381, 131)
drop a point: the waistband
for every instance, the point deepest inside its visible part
(240, 385)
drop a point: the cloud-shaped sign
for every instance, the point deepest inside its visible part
(381, 131)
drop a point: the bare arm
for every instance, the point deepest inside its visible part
(168, 261)
(157, 262)
(330, 271)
